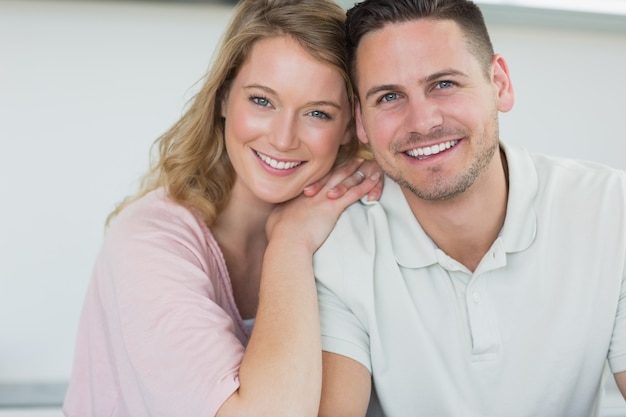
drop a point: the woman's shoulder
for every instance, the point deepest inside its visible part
(156, 217)
(156, 237)
(157, 208)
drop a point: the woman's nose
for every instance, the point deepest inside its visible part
(283, 135)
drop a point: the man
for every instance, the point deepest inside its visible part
(487, 281)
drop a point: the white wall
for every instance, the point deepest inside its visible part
(569, 91)
(85, 87)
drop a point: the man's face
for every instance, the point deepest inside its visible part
(427, 107)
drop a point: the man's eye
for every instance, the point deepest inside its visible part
(389, 97)
(444, 84)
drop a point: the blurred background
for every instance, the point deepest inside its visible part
(87, 86)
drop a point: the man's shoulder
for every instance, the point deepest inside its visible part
(548, 163)
(563, 172)
(363, 232)
(579, 174)
(354, 225)
(354, 219)
(351, 239)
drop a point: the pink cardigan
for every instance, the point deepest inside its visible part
(160, 334)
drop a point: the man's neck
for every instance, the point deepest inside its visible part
(466, 226)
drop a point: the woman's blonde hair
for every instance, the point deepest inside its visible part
(192, 161)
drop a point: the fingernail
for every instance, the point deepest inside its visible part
(373, 196)
(375, 176)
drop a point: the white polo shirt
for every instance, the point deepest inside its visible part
(527, 334)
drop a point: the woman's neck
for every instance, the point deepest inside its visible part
(239, 229)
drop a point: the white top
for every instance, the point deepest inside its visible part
(526, 334)
(249, 323)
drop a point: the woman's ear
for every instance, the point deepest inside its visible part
(224, 105)
(502, 80)
(347, 137)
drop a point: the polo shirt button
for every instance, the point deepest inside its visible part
(476, 297)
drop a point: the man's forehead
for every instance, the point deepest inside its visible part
(423, 44)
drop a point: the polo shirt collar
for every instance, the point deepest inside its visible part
(411, 245)
(414, 249)
(520, 224)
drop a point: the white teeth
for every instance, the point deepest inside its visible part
(276, 164)
(432, 150)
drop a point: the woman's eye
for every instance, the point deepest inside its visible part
(319, 114)
(389, 97)
(261, 101)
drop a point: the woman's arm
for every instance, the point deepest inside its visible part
(281, 371)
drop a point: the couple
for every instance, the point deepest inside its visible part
(481, 281)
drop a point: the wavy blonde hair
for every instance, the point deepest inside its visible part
(192, 161)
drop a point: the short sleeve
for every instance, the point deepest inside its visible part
(617, 350)
(342, 275)
(342, 333)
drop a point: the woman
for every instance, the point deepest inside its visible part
(221, 235)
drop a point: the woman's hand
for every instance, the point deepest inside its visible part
(309, 218)
(355, 172)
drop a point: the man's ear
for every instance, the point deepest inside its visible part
(360, 130)
(502, 80)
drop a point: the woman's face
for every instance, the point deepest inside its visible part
(286, 114)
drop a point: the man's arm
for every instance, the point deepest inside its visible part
(620, 379)
(346, 387)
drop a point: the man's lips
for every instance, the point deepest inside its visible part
(424, 152)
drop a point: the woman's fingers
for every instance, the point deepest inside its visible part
(348, 183)
(364, 170)
(314, 217)
(333, 177)
(375, 193)
(315, 188)
(344, 178)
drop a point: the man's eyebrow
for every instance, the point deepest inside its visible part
(428, 79)
(442, 74)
